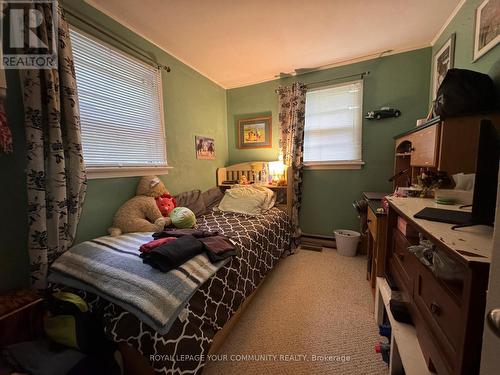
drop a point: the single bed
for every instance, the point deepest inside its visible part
(262, 240)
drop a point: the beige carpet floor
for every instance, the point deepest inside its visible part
(311, 304)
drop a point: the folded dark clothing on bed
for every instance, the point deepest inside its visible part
(173, 254)
(218, 248)
(147, 247)
(197, 233)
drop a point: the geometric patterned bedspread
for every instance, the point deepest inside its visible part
(262, 241)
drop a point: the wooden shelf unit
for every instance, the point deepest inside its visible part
(406, 354)
(449, 145)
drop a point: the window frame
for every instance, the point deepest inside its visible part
(339, 164)
(127, 171)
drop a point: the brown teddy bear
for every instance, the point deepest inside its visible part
(141, 213)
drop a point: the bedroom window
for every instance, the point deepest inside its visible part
(333, 126)
(121, 110)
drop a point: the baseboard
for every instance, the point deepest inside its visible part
(309, 247)
(318, 240)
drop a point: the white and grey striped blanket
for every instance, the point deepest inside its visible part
(111, 268)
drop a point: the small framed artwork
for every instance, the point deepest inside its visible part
(443, 60)
(205, 148)
(255, 133)
(487, 28)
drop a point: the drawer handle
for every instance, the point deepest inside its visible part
(400, 256)
(435, 308)
(368, 221)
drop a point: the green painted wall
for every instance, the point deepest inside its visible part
(463, 25)
(196, 106)
(193, 105)
(401, 80)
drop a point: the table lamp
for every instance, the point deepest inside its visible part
(277, 170)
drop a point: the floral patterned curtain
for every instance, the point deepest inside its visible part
(292, 104)
(56, 179)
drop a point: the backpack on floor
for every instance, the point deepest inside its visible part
(68, 322)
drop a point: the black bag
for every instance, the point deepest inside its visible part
(69, 322)
(464, 92)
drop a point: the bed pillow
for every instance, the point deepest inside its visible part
(192, 200)
(270, 197)
(248, 200)
(212, 198)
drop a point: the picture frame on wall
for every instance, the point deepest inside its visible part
(255, 133)
(442, 62)
(487, 27)
(205, 148)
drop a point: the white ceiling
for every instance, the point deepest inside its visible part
(240, 42)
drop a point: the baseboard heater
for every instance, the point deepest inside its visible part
(315, 242)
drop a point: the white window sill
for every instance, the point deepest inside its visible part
(112, 172)
(357, 164)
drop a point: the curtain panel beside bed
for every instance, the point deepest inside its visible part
(292, 106)
(55, 171)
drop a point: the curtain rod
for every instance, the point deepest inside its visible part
(361, 75)
(110, 36)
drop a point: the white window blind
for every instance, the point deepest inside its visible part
(333, 124)
(120, 107)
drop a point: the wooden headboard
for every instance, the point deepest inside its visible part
(235, 171)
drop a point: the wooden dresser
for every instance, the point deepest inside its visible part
(21, 314)
(376, 232)
(448, 315)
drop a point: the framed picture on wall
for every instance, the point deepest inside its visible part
(255, 133)
(487, 28)
(443, 60)
(205, 148)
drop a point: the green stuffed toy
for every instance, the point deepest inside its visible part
(183, 217)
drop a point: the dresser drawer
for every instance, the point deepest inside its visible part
(439, 309)
(431, 349)
(404, 260)
(371, 220)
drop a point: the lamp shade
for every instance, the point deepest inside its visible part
(276, 168)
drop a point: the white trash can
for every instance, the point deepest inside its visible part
(347, 242)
